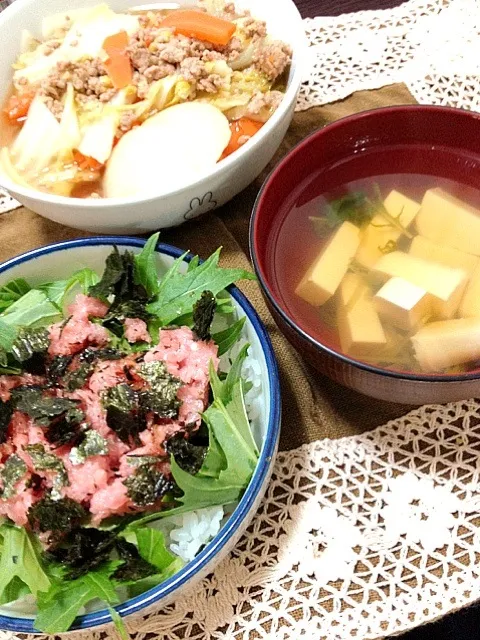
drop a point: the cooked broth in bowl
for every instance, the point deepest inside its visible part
(112, 104)
(389, 272)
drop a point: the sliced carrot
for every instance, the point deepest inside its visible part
(18, 105)
(242, 130)
(118, 65)
(200, 25)
(86, 163)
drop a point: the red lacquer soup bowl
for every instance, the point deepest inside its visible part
(413, 148)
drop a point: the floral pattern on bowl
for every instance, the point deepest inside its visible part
(198, 206)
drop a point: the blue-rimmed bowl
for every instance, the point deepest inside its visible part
(60, 260)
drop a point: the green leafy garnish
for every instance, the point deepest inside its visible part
(60, 605)
(13, 470)
(354, 207)
(31, 310)
(228, 337)
(20, 563)
(12, 291)
(146, 268)
(359, 209)
(178, 292)
(57, 290)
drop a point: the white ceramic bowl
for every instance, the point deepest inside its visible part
(138, 215)
(61, 260)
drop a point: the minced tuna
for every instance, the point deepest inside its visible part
(119, 410)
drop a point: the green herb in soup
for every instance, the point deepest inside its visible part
(403, 278)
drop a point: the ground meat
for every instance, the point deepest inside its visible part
(87, 77)
(254, 29)
(273, 58)
(260, 101)
(233, 49)
(127, 120)
(195, 70)
(55, 106)
(140, 82)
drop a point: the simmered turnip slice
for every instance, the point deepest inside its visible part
(169, 151)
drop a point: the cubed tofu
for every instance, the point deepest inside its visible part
(403, 304)
(360, 330)
(324, 276)
(379, 233)
(447, 220)
(444, 344)
(444, 283)
(470, 304)
(422, 247)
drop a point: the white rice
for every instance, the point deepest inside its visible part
(193, 530)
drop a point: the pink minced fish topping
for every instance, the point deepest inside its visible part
(97, 483)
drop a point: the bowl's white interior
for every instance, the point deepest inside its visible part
(60, 265)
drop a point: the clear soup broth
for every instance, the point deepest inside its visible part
(388, 272)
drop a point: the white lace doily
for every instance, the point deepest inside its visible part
(362, 537)
(430, 45)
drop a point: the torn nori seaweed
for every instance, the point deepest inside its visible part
(162, 397)
(189, 457)
(83, 550)
(92, 444)
(77, 378)
(67, 428)
(55, 515)
(13, 470)
(203, 313)
(147, 485)
(123, 413)
(30, 348)
(134, 567)
(30, 400)
(119, 279)
(57, 368)
(6, 411)
(45, 461)
(92, 355)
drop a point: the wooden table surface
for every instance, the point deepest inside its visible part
(312, 8)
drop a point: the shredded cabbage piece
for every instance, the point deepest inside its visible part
(243, 86)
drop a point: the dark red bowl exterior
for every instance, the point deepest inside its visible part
(371, 137)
